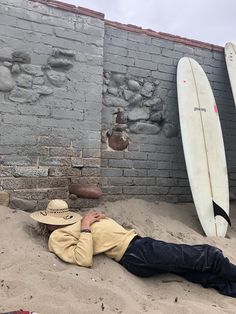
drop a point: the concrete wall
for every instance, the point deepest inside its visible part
(93, 102)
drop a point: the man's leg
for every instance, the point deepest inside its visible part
(147, 257)
(211, 280)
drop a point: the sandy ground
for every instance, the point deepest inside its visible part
(33, 279)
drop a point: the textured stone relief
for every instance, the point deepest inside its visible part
(25, 82)
(139, 104)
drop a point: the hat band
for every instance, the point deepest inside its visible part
(57, 210)
(55, 214)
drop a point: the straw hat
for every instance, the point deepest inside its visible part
(56, 213)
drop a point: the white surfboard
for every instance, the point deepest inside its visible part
(203, 147)
(230, 57)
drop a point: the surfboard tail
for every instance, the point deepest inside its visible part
(218, 211)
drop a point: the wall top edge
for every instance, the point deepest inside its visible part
(166, 36)
(71, 8)
(129, 27)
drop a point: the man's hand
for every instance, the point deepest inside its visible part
(90, 218)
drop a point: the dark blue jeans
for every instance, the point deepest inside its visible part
(203, 264)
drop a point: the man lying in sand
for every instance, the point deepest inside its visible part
(76, 239)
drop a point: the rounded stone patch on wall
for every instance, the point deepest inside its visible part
(6, 79)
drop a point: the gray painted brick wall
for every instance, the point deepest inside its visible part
(40, 138)
(52, 118)
(158, 157)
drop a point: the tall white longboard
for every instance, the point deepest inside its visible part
(230, 57)
(203, 147)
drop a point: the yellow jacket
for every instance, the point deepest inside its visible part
(76, 247)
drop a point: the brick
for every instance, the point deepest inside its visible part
(89, 180)
(108, 66)
(164, 165)
(112, 154)
(104, 163)
(133, 147)
(172, 54)
(118, 59)
(116, 41)
(180, 190)
(135, 172)
(162, 60)
(202, 52)
(52, 183)
(7, 171)
(148, 148)
(65, 151)
(160, 156)
(64, 172)
(157, 190)
(143, 47)
(115, 50)
(147, 65)
(166, 182)
(135, 155)
(115, 32)
(15, 160)
(120, 181)
(179, 174)
(185, 198)
(183, 48)
(164, 76)
(139, 72)
(139, 55)
(31, 172)
(53, 141)
(167, 198)
(183, 182)
(22, 183)
(167, 68)
(83, 203)
(91, 172)
(77, 162)
(135, 190)
(116, 163)
(92, 162)
(163, 43)
(111, 172)
(144, 164)
(179, 166)
(76, 36)
(143, 181)
(139, 38)
(159, 173)
(54, 161)
(112, 190)
(57, 193)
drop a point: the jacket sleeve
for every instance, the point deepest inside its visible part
(72, 249)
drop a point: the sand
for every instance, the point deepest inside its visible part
(32, 278)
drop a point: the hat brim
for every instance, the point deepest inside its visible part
(72, 218)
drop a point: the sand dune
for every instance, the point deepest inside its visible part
(34, 279)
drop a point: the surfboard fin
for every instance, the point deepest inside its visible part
(218, 211)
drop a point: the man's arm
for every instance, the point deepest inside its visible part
(75, 249)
